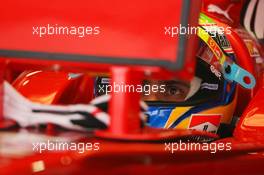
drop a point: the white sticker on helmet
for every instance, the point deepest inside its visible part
(209, 86)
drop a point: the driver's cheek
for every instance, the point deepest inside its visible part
(151, 97)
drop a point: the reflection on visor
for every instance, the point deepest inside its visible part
(206, 86)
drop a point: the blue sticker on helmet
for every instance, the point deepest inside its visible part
(158, 116)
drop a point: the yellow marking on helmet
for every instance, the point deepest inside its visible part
(203, 35)
(184, 124)
(222, 60)
(175, 114)
(226, 111)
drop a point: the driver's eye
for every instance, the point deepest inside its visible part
(174, 90)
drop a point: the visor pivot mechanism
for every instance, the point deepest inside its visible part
(233, 72)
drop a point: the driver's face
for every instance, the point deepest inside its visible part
(175, 91)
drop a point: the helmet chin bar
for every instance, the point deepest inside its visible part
(230, 70)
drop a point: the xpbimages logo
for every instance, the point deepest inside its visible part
(175, 31)
(51, 30)
(80, 147)
(146, 89)
(212, 147)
